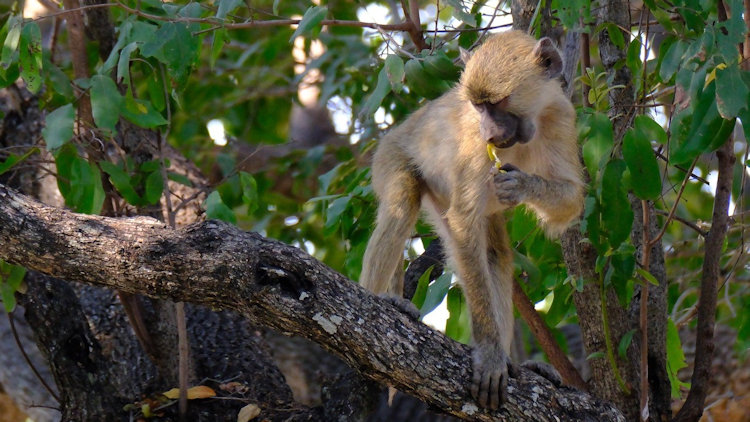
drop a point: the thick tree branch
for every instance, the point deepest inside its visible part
(276, 285)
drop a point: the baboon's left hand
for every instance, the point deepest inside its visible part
(489, 383)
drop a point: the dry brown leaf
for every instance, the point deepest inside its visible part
(249, 412)
(197, 392)
(233, 387)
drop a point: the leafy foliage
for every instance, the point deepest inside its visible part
(175, 66)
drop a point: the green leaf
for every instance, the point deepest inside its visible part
(421, 291)
(641, 161)
(226, 7)
(142, 113)
(59, 81)
(216, 209)
(595, 355)
(671, 59)
(121, 181)
(377, 96)
(191, 10)
(310, 23)
(525, 264)
(591, 223)
(87, 180)
(80, 182)
(617, 216)
(249, 191)
(123, 65)
(11, 74)
(460, 12)
(154, 187)
(174, 45)
(441, 67)
(14, 159)
(561, 305)
(30, 56)
(598, 145)
(615, 35)
(275, 7)
(708, 130)
(150, 166)
(651, 129)
(625, 341)
(675, 358)
(10, 46)
(142, 32)
(179, 178)
(647, 276)
(731, 91)
(662, 16)
(156, 91)
(334, 213)
(114, 55)
(394, 68)
(458, 325)
(634, 57)
(436, 293)
(106, 102)
(58, 127)
(217, 44)
(422, 83)
(11, 278)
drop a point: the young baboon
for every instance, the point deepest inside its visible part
(508, 96)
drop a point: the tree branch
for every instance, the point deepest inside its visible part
(77, 44)
(276, 285)
(544, 337)
(704, 344)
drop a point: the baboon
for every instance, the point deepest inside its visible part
(437, 160)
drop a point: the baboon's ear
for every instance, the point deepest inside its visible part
(464, 54)
(548, 57)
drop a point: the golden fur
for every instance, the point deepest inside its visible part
(437, 161)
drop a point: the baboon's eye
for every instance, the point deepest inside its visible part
(500, 103)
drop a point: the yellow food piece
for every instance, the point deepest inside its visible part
(492, 153)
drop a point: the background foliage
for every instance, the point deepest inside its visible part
(176, 66)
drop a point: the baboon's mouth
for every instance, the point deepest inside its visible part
(505, 143)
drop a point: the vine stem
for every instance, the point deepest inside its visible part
(645, 264)
(608, 338)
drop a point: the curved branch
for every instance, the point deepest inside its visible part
(704, 342)
(276, 285)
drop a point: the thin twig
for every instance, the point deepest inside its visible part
(658, 237)
(645, 263)
(26, 358)
(687, 223)
(682, 169)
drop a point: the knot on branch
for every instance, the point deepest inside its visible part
(290, 284)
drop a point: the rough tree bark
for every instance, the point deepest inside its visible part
(622, 113)
(276, 285)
